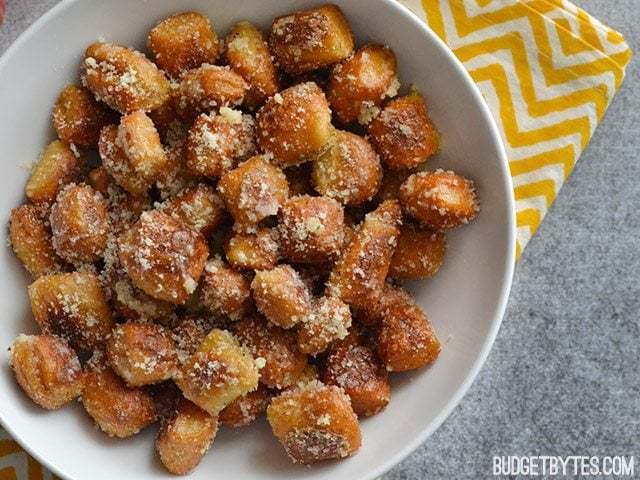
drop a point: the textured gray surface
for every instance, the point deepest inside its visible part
(563, 376)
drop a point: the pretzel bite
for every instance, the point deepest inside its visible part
(328, 320)
(253, 251)
(47, 369)
(31, 241)
(245, 409)
(419, 253)
(295, 124)
(188, 333)
(78, 117)
(439, 200)
(315, 422)
(57, 166)
(73, 306)
(311, 229)
(357, 370)
(140, 142)
(182, 42)
(185, 437)
(349, 171)
(403, 134)
(283, 362)
(207, 88)
(358, 277)
(225, 291)
(198, 206)
(142, 353)
(135, 305)
(80, 224)
(219, 372)
(310, 40)
(123, 78)
(253, 191)
(163, 256)
(359, 85)
(405, 339)
(120, 411)
(247, 52)
(117, 165)
(281, 295)
(216, 143)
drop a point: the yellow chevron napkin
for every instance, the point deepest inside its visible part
(548, 71)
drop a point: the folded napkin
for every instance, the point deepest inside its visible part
(548, 71)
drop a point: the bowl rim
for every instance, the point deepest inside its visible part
(487, 345)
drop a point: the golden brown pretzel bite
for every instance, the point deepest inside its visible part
(348, 171)
(357, 370)
(80, 224)
(182, 42)
(253, 251)
(247, 52)
(207, 88)
(218, 372)
(217, 143)
(281, 295)
(311, 229)
(328, 320)
(31, 241)
(58, 165)
(295, 125)
(315, 422)
(119, 410)
(123, 78)
(185, 437)
(419, 253)
(142, 353)
(163, 256)
(225, 291)
(403, 134)
(359, 85)
(254, 190)
(73, 306)
(358, 277)
(78, 117)
(439, 200)
(308, 40)
(47, 369)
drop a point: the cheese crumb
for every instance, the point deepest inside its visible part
(190, 285)
(231, 115)
(368, 112)
(314, 224)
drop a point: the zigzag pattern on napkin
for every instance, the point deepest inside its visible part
(548, 71)
(16, 464)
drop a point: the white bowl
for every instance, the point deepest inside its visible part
(465, 301)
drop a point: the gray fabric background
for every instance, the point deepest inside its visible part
(563, 377)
